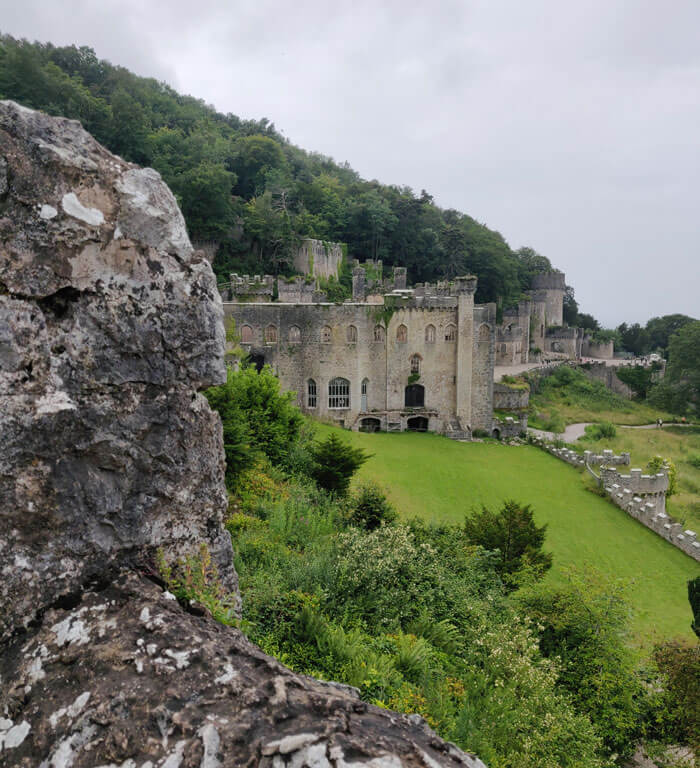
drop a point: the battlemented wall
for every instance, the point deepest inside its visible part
(641, 496)
(564, 341)
(507, 398)
(244, 288)
(319, 258)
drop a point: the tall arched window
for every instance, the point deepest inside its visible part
(326, 334)
(295, 334)
(352, 334)
(338, 393)
(402, 333)
(310, 393)
(415, 364)
(271, 334)
(246, 334)
(379, 333)
(451, 332)
(430, 334)
(363, 393)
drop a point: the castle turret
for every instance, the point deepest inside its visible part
(551, 286)
(359, 281)
(465, 287)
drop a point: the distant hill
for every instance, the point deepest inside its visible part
(242, 184)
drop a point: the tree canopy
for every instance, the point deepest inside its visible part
(242, 184)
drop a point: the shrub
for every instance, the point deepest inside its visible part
(584, 623)
(480, 433)
(371, 508)
(600, 431)
(334, 462)
(658, 464)
(511, 531)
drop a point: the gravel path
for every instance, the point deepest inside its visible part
(574, 431)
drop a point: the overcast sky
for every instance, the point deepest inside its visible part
(572, 127)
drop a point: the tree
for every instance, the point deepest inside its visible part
(570, 311)
(257, 419)
(660, 329)
(511, 531)
(334, 462)
(587, 321)
(634, 338)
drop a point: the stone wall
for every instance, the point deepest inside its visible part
(553, 286)
(507, 398)
(564, 341)
(607, 375)
(603, 350)
(319, 258)
(298, 290)
(246, 288)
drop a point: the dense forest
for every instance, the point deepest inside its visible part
(242, 184)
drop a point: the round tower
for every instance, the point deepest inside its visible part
(551, 285)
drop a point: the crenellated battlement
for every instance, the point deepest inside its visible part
(246, 288)
(299, 290)
(549, 281)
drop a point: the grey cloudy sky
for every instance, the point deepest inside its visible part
(572, 127)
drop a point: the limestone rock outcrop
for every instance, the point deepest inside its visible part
(110, 324)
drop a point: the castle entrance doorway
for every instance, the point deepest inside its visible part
(258, 361)
(417, 424)
(415, 396)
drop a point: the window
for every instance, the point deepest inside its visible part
(365, 382)
(402, 333)
(325, 335)
(295, 335)
(271, 334)
(246, 335)
(503, 349)
(379, 333)
(430, 334)
(338, 393)
(415, 364)
(310, 393)
(451, 333)
(352, 334)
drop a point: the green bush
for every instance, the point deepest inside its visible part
(602, 430)
(513, 533)
(659, 464)
(334, 462)
(371, 508)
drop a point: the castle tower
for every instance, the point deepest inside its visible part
(359, 282)
(551, 286)
(524, 309)
(465, 288)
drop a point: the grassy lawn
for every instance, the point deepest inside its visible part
(678, 444)
(438, 479)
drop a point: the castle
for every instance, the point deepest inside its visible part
(392, 358)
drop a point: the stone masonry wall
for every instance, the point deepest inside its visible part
(319, 258)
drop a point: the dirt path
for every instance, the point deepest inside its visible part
(574, 431)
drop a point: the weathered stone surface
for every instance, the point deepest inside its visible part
(109, 324)
(127, 678)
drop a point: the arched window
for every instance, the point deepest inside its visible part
(310, 393)
(415, 364)
(430, 334)
(379, 333)
(338, 393)
(271, 334)
(451, 333)
(503, 349)
(246, 334)
(402, 333)
(295, 334)
(365, 384)
(326, 334)
(352, 334)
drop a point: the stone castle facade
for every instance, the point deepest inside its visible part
(418, 358)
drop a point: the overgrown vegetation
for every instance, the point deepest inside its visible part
(449, 621)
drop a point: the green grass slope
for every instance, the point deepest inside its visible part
(437, 479)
